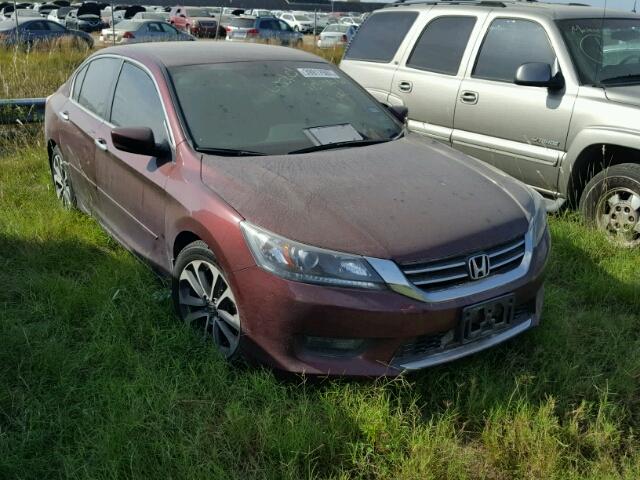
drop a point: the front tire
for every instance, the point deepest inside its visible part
(61, 179)
(203, 298)
(611, 202)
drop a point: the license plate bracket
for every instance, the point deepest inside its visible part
(485, 318)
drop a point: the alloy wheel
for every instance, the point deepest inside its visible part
(207, 302)
(618, 213)
(61, 181)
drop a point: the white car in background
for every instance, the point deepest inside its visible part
(351, 21)
(336, 35)
(299, 23)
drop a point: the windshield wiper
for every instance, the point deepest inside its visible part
(349, 143)
(632, 78)
(230, 152)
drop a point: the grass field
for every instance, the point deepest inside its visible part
(98, 379)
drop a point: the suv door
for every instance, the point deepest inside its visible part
(369, 59)
(519, 129)
(429, 76)
(131, 186)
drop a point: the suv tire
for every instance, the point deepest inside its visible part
(611, 202)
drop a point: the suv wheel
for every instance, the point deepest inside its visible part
(203, 298)
(611, 202)
(61, 180)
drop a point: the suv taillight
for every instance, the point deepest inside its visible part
(345, 39)
(252, 31)
(128, 35)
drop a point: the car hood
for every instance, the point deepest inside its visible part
(629, 94)
(89, 9)
(410, 199)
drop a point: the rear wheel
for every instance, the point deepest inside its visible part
(61, 180)
(611, 202)
(203, 298)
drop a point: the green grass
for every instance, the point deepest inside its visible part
(99, 379)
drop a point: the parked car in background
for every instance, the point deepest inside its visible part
(44, 9)
(245, 28)
(59, 14)
(544, 92)
(138, 31)
(24, 13)
(86, 18)
(33, 31)
(301, 224)
(195, 21)
(162, 16)
(351, 21)
(299, 23)
(336, 35)
(256, 12)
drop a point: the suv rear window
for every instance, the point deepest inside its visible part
(380, 36)
(442, 44)
(508, 44)
(242, 22)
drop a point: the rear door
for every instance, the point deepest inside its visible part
(372, 56)
(519, 129)
(429, 76)
(131, 186)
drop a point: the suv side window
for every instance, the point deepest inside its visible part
(379, 38)
(508, 44)
(96, 87)
(136, 102)
(442, 44)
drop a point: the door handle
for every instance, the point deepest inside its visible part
(469, 97)
(405, 86)
(64, 116)
(101, 144)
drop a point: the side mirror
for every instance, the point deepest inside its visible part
(182, 15)
(138, 140)
(538, 75)
(400, 112)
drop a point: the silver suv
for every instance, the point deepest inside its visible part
(548, 93)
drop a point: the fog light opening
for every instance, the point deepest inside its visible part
(333, 347)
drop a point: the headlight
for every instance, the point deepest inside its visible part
(302, 263)
(539, 218)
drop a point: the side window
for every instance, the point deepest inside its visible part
(380, 36)
(442, 44)
(54, 27)
(154, 27)
(508, 44)
(284, 26)
(167, 28)
(96, 87)
(78, 83)
(35, 26)
(136, 102)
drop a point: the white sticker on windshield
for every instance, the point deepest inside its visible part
(318, 73)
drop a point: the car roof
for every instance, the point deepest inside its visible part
(553, 11)
(173, 54)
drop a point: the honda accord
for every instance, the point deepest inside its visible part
(302, 225)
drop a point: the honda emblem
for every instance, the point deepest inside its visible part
(478, 266)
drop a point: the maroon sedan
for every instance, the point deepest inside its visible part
(303, 226)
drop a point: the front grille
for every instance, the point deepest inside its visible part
(442, 274)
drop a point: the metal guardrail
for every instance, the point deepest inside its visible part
(21, 110)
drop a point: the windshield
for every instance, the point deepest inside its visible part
(276, 107)
(302, 18)
(197, 12)
(129, 25)
(337, 28)
(605, 51)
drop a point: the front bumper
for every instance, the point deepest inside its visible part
(279, 317)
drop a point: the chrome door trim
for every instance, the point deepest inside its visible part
(436, 132)
(526, 151)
